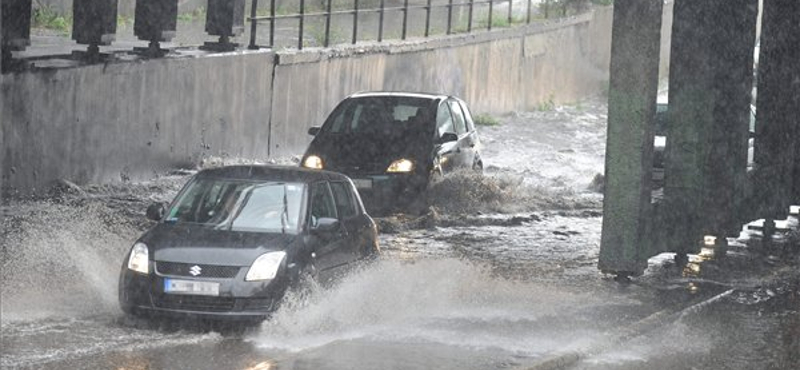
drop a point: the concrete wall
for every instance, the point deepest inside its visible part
(498, 72)
(130, 120)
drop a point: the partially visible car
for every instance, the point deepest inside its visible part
(393, 144)
(236, 238)
(660, 142)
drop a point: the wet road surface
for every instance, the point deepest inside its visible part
(505, 278)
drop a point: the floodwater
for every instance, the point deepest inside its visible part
(501, 274)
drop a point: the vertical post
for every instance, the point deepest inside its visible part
(328, 24)
(469, 21)
(510, 11)
(731, 40)
(777, 124)
(272, 24)
(528, 17)
(635, 47)
(427, 18)
(380, 21)
(405, 19)
(253, 25)
(302, 21)
(449, 16)
(708, 120)
(355, 21)
(491, 15)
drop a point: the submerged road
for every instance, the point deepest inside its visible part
(502, 276)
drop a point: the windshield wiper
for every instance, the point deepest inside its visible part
(285, 213)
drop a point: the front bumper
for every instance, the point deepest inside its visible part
(387, 192)
(237, 300)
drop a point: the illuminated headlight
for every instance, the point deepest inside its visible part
(138, 259)
(266, 266)
(401, 165)
(313, 161)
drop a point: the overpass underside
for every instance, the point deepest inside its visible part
(709, 188)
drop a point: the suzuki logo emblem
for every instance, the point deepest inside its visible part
(195, 270)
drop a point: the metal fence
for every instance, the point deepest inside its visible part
(382, 10)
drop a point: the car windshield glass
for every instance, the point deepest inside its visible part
(387, 115)
(240, 205)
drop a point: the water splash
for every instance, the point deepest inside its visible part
(447, 302)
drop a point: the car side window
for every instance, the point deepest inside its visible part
(322, 204)
(467, 116)
(460, 124)
(444, 120)
(344, 199)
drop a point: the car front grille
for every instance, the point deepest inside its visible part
(185, 269)
(194, 303)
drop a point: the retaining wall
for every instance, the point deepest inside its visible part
(129, 120)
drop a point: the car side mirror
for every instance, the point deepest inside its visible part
(313, 131)
(325, 225)
(448, 137)
(155, 211)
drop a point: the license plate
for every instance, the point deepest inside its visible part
(173, 286)
(363, 183)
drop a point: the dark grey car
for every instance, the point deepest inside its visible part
(235, 238)
(392, 144)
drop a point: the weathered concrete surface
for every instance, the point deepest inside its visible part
(130, 119)
(778, 102)
(629, 152)
(496, 72)
(119, 121)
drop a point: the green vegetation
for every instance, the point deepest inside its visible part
(547, 105)
(486, 120)
(197, 15)
(48, 18)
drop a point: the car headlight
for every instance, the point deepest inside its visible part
(138, 259)
(313, 161)
(265, 267)
(401, 165)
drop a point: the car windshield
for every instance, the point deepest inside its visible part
(240, 205)
(385, 115)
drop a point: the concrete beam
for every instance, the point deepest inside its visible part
(777, 132)
(635, 46)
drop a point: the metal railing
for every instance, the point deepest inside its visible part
(381, 10)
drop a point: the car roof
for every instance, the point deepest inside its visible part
(270, 173)
(422, 95)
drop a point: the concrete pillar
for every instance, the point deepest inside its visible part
(225, 18)
(709, 94)
(636, 39)
(156, 20)
(16, 28)
(2, 120)
(731, 39)
(94, 21)
(778, 105)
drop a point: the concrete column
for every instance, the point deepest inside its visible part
(709, 94)
(731, 39)
(2, 120)
(156, 20)
(636, 38)
(778, 109)
(95, 21)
